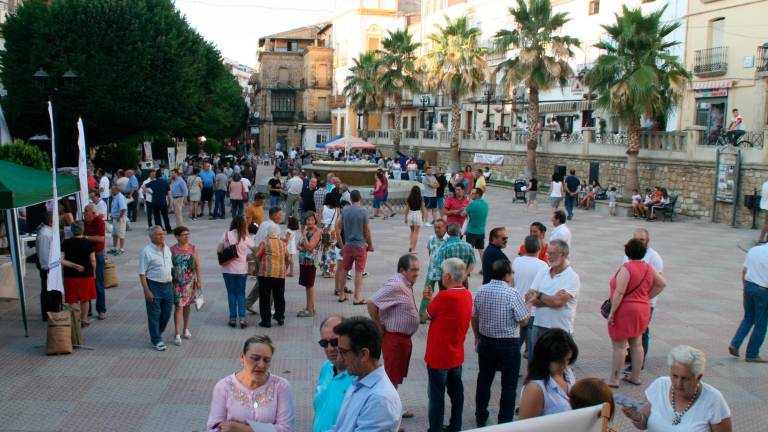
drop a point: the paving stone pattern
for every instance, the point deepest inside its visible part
(122, 384)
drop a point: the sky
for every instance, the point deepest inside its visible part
(235, 26)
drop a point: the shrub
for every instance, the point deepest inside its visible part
(111, 157)
(27, 155)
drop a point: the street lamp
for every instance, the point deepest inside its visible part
(489, 89)
(51, 86)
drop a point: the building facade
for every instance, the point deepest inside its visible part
(727, 52)
(291, 88)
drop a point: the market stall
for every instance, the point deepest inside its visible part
(22, 187)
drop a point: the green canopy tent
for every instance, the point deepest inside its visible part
(22, 186)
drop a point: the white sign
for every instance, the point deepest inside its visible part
(171, 157)
(577, 87)
(580, 420)
(147, 151)
(181, 152)
(488, 159)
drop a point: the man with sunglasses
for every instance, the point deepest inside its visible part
(497, 240)
(372, 402)
(334, 379)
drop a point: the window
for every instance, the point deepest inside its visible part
(282, 106)
(293, 45)
(594, 7)
(373, 37)
(373, 43)
(717, 33)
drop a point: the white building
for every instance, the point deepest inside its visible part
(243, 75)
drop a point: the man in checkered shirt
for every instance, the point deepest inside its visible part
(453, 247)
(433, 245)
(498, 312)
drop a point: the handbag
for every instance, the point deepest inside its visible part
(605, 308)
(199, 301)
(228, 253)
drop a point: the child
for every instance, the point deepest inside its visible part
(612, 201)
(637, 204)
(291, 236)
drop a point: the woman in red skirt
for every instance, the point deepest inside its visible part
(79, 262)
(632, 287)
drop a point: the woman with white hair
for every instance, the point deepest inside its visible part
(681, 401)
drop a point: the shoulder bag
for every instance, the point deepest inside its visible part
(228, 253)
(605, 308)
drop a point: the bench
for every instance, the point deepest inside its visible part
(668, 211)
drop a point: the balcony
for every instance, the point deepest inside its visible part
(762, 60)
(282, 116)
(336, 102)
(711, 62)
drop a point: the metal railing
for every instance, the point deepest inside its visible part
(762, 60)
(711, 61)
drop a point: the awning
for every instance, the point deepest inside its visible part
(568, 106)
(713, 84)
(22, 186)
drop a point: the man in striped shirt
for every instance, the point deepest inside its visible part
(453, 247)
(394, 309)
(498, 312)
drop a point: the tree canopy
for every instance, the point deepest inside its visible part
(142, 70)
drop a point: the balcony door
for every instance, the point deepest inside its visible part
(717, 33)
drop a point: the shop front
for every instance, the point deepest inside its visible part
(711, 104)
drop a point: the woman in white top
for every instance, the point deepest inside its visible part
(328, 236)
(556, 191)
(681, 402)
(549, 377)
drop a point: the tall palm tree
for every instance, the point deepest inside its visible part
(539, 62)
(362, 87)
(636, 76)
(398, 73)
(456, 64)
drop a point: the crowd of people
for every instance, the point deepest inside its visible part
(521, 316)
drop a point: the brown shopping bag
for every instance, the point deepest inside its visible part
(110, 274)
(74, 319)
(59, 340)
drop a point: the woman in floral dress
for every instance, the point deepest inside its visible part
(309, 257)
(186, 279)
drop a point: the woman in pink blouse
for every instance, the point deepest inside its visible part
(253, 395)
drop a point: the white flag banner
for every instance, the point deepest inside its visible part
(82, 164)
(488, 159)
(171, 157)
(181, 152)
(55, 282)
(147, 151)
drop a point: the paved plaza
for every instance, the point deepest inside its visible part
(125, 385)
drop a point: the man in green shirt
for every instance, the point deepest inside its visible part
(477, 213)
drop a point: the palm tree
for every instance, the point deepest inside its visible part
(362, 87)
(636, 76)
(540, 60)
(456, 65)
(398, 73)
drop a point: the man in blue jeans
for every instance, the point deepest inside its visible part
(754, 276)
(450, 312)
(572, 188)
(498, 313)
(95, 232)
(155, 275)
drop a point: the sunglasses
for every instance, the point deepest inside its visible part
(325, 342)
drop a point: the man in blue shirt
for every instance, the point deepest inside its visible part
(132, 192)
(118, 211)
(179, 192)
(371, 403)
(207, 176)
(572, 188)
(334, 380)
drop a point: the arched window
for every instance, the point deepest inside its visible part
(373, 38)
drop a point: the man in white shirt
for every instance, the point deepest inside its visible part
(754, 277)
(50, 301)
(155, 276)
(555, 292)
(764, 207)
(525, 269)
(561, 231)
(101, 205)
(736, 128)
(654, 259)
(293, 189)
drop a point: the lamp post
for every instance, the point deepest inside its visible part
(424, 100)
(488, 92)
(50, 85)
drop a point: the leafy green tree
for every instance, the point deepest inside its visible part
(636, 76)
(398, 73)
(124, 154)
(362, 87)
(142, 70)
(456, 65)
(213, 146)
(25, 154)
(539, 61)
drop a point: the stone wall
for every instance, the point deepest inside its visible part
(692, 182)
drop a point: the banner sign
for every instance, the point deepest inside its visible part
(82, 164)
(171, 157)
(488, 159)
(55, 281)
(581, 420)
(147, 151)
(181, 152)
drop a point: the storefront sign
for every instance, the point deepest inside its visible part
(710, 93)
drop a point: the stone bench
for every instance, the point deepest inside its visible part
(622, 209)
